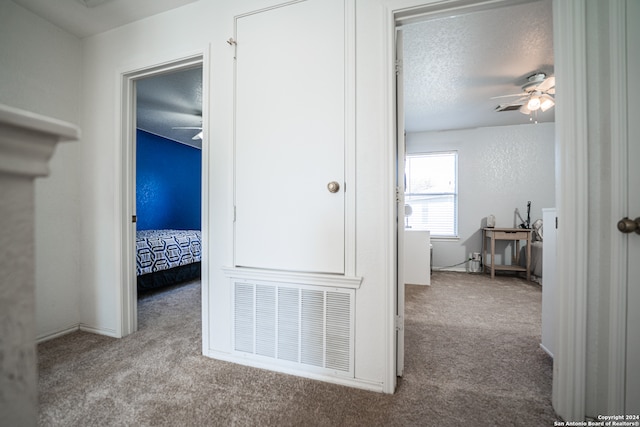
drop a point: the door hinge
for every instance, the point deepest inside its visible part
(398, 195)
(134, 218)
(556, 223)
(399, 323)
(398, 66)
(233, 43)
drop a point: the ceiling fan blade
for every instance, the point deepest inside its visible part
(548, 83)
(187, 127)
(508, 96)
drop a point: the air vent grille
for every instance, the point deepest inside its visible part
(265, 321)
(92, 3)
(288, 324)
(244, 317)
(305, 325)
(338, 333)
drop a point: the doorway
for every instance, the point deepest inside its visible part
(442, 131)
(179, 133)
(168, 180)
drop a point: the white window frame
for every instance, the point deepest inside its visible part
(409, 195)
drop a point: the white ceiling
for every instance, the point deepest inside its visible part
(83, 21)
(453, 65)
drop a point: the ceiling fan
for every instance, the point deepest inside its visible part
(537, 94)
(196, 136)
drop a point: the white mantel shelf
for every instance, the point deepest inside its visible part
(27, 142)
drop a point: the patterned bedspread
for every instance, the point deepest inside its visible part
(158, 250)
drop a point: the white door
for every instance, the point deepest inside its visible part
(400, 188)
(632, 405)
(290, 138)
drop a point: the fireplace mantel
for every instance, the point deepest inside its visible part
(27, 142)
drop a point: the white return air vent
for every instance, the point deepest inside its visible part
(308, 326)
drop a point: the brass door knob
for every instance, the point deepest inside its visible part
(627, 225)
(333, 187)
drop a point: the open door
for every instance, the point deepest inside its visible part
(400, 161)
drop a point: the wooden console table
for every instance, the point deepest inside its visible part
(513, 234)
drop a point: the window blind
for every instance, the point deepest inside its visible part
(431, 192)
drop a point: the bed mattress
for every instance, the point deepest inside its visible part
(158, 250)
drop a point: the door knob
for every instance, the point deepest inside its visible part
(627, 225)
(333, 187)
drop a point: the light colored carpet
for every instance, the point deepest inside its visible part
(472, 358)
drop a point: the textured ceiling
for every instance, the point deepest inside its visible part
(168, 101)
(454, 65)
(82, 21)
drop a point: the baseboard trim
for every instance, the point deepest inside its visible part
(452, 269)
(57, 334)
(99, 331)
(546, 350)
(348, 382)
(74, 328)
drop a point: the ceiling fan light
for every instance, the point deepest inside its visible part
(524, 109)
(534, 103)
(547, 102)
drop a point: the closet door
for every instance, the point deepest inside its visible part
(290, 138)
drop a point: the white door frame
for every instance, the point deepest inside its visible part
(127, 298)
(569, 388)
(572, 189)
(400, 205)
(618, 279)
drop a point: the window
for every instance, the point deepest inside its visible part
(432, 192)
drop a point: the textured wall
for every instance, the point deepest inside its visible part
(168, 184)
(499, 169)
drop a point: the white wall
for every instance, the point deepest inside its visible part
(41, 69)
(205, 26)
(499, 169)
(40, 72)
(106, 57)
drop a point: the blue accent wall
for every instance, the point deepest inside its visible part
(168, 184)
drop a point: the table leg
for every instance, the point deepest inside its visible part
(529, 258)
(484, 251)
(493, 257)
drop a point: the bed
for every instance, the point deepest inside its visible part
(167, 257)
